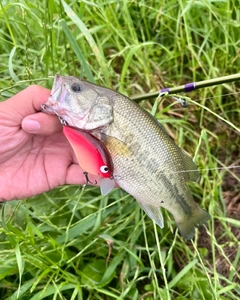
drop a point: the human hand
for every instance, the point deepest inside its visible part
(35, 156)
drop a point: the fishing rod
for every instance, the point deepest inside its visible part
(187, 88)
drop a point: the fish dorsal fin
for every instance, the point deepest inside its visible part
(193, 174)
(106, 185)
(154, 213)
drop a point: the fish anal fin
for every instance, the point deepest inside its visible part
(154, 213)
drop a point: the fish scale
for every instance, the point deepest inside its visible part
(148, 145)
(147, 163)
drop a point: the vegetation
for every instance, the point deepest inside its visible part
(71, 243)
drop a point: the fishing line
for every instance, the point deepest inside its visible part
(210, 169)
(214, 97)
(184, 99)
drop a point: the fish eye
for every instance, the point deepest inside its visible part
(75, 87)
(104, 169)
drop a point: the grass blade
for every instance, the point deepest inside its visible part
(182, 273)
(20, 263)
(10, 65)
(79, 23)
(77, 51)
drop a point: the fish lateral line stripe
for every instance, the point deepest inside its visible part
(199, 170)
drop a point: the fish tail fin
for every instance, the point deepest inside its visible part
(187, 225)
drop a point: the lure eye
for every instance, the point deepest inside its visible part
(75, 87)
(104, 169)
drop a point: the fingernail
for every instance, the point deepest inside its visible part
(30, 126)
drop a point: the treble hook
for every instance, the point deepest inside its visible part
(87, 179)
(48, 109)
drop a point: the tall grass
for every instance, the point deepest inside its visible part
(71, 243)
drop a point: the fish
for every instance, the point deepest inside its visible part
(147, 162)
(92, 156)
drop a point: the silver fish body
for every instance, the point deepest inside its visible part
(147, 162)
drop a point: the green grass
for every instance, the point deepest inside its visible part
(75, 244)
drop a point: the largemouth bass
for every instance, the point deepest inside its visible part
(147, 163)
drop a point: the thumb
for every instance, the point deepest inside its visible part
(41, 123)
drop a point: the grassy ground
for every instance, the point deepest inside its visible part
(75, 244)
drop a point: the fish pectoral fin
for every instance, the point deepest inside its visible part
(106, 185)
(192, 174)
(120, 148)
(154, 213)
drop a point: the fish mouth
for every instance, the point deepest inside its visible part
(55, 103)
(47, 109)
(50, 110)
(58, 91)
(57, 96)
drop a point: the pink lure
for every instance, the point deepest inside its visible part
(92, 155)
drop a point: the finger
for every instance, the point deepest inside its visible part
(41, 123)
(27, 102)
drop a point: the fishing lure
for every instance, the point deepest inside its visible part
(92, 156)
